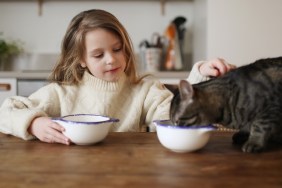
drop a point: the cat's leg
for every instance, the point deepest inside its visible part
(277, 139)
(276, 135)
(239, 138)
(258, 138)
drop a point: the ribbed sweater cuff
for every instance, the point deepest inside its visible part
(195, 76)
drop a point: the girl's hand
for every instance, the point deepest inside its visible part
(215, 67)
(48, 131)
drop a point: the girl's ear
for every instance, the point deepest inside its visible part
(83, 64)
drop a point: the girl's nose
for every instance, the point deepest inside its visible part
(110, 59)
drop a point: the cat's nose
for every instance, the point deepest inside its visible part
(177, 122)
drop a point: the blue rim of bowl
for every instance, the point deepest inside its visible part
(160, 123)
(86, 122)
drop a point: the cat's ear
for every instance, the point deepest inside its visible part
(186, 90)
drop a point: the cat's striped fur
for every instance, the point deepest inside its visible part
(248, 98)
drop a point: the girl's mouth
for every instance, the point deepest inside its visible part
(112, 70)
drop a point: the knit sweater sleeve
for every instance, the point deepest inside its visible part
(17, 112)
(195, 76)
(157, 104)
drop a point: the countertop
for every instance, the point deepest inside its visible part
(25, 74)
(45, 74)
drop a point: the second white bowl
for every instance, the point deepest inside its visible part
(182, 139)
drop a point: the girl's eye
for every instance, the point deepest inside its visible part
(117, 49)
(98, 55)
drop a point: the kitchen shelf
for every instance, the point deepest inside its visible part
(41, 2)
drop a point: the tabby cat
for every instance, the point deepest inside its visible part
(248, 98)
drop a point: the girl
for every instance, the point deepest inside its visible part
(95, 74)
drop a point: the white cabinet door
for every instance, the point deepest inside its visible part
(8, 87)
(27, 86)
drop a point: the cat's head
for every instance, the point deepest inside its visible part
(187, 107)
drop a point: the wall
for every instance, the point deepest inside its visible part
(238, 30)
(200, 30)
(43, 34)
(242, 31)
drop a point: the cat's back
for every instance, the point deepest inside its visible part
(266, 71)
(263, 75)
(271, 67)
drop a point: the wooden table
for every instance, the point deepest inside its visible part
(135, 160)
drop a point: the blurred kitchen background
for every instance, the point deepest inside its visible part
(239, 31)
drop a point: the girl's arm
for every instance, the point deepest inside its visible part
(157, 104)
(203, 70)
(17, 113)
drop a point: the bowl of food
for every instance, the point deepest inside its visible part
(182, 139)
(85, 129)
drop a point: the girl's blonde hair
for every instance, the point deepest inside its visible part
(68, 69)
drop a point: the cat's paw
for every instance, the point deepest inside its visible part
(251, 147)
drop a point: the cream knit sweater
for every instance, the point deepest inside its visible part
(135, 106)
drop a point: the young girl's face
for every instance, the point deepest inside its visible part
(104, 55)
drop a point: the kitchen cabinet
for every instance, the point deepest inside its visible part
(20, 83)
(8, 87)
(26, 87)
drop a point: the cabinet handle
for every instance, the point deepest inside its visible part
(5, 87)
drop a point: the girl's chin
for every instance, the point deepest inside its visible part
(113, 78)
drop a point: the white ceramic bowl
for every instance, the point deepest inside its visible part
(85, 129)
(182, 139)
